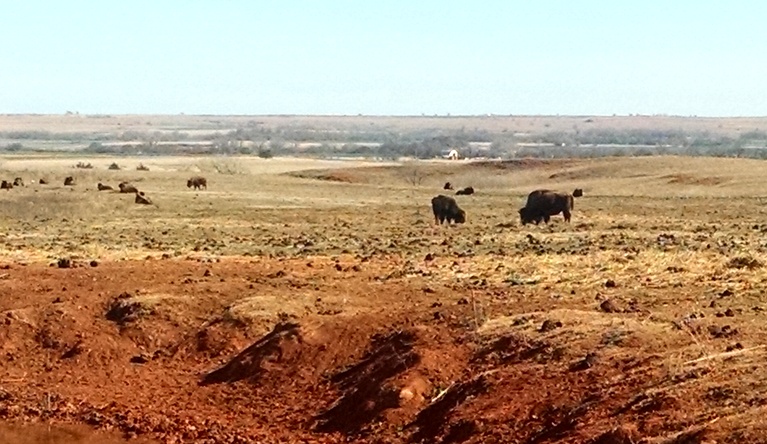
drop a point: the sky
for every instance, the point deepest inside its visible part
(375, 57)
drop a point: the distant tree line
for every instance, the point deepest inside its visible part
(387, 144)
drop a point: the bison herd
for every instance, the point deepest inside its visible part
(123, 187)
(540, 206)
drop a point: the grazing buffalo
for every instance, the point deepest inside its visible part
(6, 185)
(125, 187)
(448, 186)
(445, 208)
(197, 182)
(542, 204)
(43, 182)
(103, 187)
(69, 181)
(142, 199)
(18, 182)
(465, 192)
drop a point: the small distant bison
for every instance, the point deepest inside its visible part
(197, 182)
(125, 187)
(6, 185)
(578, 192)
(465, 191)
(103, 187)
(69, 181)
(542, 204)
(448, 186)
(18, 182)
(43, 182)
(445, 208)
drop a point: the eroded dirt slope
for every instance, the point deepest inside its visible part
(326, 350)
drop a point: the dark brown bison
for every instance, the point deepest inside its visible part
(18, 182)
(69, 181)
(542, 204)
(445, 208)
(465, 192)
(125, 187)
(197, 182)
(448, 186)
(43, 182)
(578, 192)
(6, 185)
(103, 187)
(142, 199)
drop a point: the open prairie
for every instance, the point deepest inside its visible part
(299, 300)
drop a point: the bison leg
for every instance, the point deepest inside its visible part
(566, 214)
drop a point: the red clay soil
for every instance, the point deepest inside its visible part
(92, 345)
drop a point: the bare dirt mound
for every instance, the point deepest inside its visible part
(689, 179)
(365, 388)
(358, 376)
(280, 344)
(523, 164)
(415, 366)
(426, 170)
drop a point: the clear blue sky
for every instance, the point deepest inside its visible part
(706, 58)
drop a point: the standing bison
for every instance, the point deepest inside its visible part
(542, 204)
(197, 182)
(445, 208)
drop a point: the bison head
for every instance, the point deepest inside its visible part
(525, 216)
(460, 217)
(189, 183)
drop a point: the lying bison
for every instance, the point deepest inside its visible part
(43, 182)
(445, 208)
(142, 199)
(18, 182)
(6, 185)
(448, 186)
(542, 204)
(103, 187)
(69, 181)
(197, 182)
(465, 192)
(125, 187)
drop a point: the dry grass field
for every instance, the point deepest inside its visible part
(303, 300)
